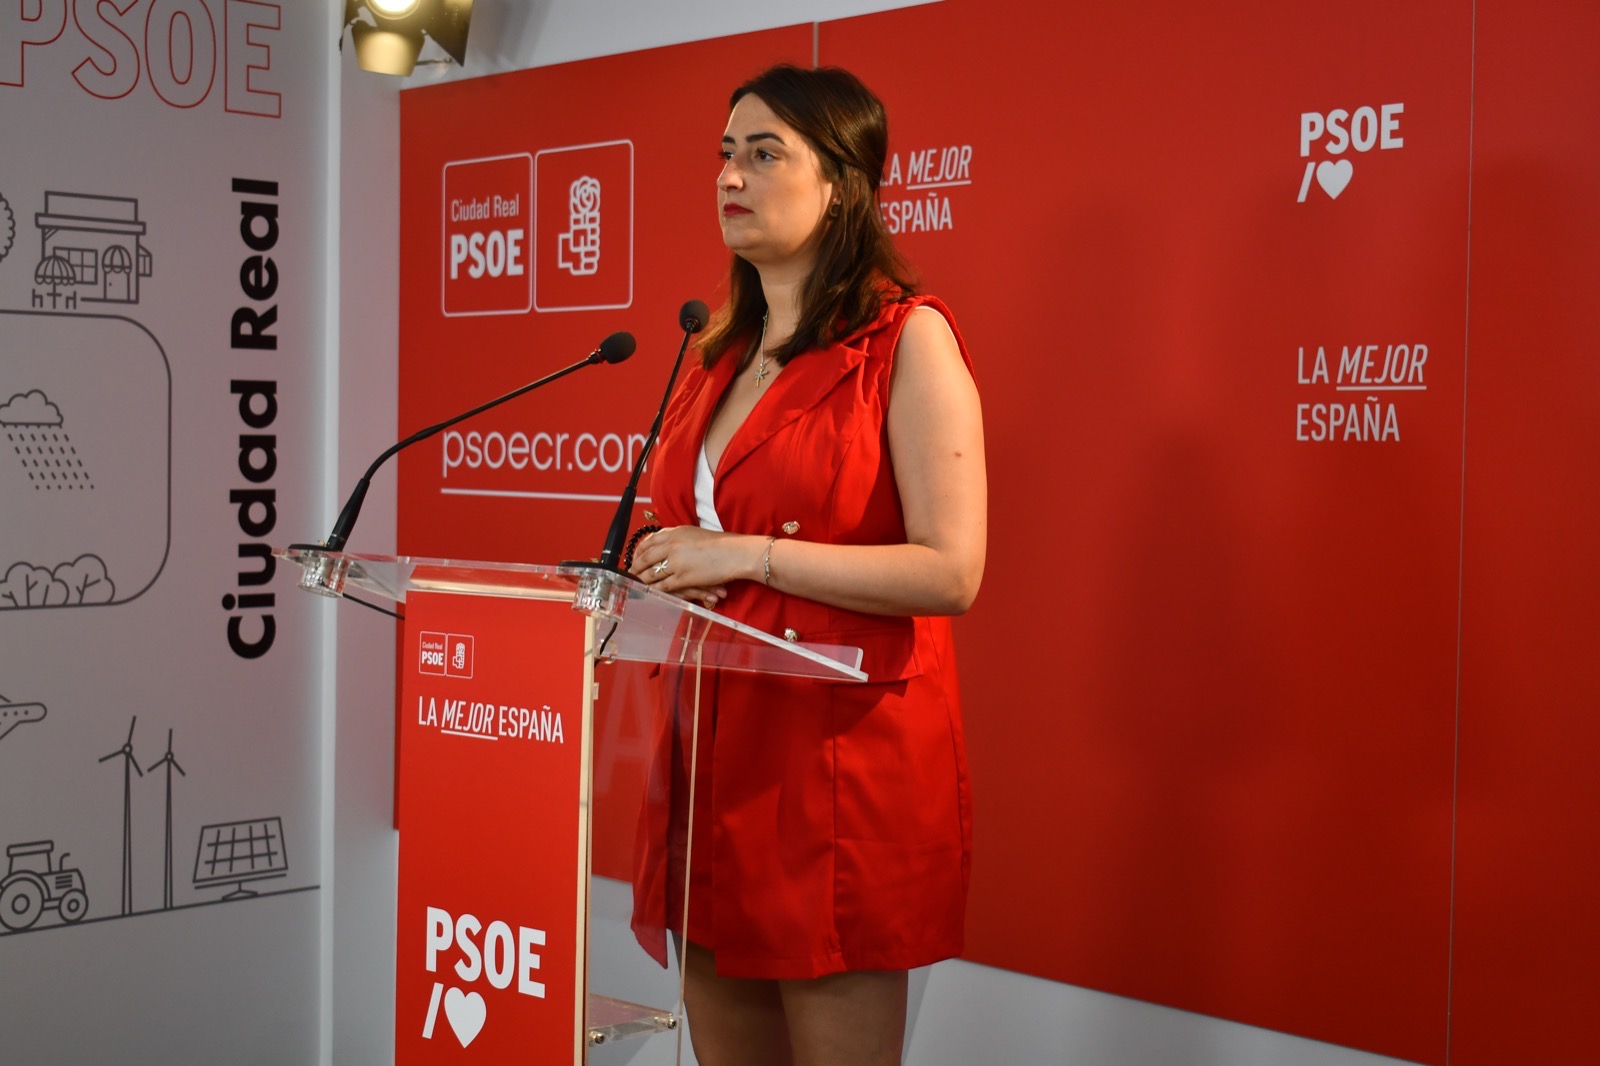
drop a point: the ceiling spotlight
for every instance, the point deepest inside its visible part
(389, 37)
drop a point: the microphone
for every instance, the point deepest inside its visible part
(614, 349)
(692, 318)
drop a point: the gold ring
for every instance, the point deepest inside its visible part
(661, 567)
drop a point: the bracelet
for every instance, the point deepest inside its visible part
(766, 563)
(633, 542)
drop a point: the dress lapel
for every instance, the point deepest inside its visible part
(805, 382)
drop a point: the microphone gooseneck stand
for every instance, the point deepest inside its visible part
(614, 349)
(692, 318)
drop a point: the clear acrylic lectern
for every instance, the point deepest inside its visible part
(529, 727)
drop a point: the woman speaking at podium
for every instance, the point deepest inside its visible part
(820, 475)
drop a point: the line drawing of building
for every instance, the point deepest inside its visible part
(91, 246)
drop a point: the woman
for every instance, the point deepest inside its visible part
(821, 475)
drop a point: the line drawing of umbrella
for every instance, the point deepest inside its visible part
(53, 270)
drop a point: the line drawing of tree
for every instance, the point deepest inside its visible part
(26, 585)
(82, 581)
(86, 580)
(8, 227)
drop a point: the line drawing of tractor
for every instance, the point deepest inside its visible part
(30, 887)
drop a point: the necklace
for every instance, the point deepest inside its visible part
(761, 366)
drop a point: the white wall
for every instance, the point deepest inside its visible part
(363, 392)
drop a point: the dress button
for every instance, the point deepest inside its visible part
(790, 635)
(791, 527)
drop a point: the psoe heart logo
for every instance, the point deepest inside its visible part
(496, 955)
(1342, 131)
(583, 227)
(487, 217)
(446, 654)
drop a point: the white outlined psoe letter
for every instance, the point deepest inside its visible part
(18, 32)
(247, 53)
(162, 59)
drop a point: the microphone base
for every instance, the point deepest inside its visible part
(602, 590)
(322, 573)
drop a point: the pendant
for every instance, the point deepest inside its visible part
(761, 370)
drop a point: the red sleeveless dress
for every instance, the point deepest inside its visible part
(832, 821)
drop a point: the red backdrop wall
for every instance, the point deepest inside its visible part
(1527, 873)
(1275, 702)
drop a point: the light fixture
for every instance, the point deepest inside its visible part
(389, 39)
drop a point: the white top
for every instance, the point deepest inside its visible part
(705, 483)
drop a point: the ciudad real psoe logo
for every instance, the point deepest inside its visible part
(447, 654)
(486, 266)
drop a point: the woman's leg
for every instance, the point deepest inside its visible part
(734, 1021)
(847, 1019)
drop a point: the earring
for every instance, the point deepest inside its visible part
(833, 209)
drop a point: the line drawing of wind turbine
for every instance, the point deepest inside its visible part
(126, 751)
(171, 765)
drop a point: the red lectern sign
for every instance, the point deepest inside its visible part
(490, 942)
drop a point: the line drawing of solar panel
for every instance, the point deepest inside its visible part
(237, 852)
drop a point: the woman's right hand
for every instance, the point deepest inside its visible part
(691, 563)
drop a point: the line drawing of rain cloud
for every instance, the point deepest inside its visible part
(85, 508)
(36, 431)
(31, 408)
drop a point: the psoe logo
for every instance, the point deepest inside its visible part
(1340, 131)
(459, 660)
(578, 249)
(446, 654)
(583, 227)
(487, 209)
(496, 955)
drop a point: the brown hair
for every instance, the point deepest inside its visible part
(857, 268)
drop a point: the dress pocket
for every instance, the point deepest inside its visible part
(888, 652)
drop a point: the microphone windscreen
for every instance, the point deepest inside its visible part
(693, 317)
(618, 346)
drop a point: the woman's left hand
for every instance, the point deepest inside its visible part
(696, 564)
